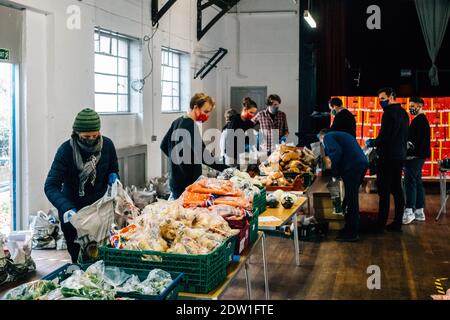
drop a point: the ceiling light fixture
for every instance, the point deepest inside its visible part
(308, 17)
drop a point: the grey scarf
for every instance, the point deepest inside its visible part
(88, 170)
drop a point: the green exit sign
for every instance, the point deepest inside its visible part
(4, 55)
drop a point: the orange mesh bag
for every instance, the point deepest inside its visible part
(215, 187)
(192, 199)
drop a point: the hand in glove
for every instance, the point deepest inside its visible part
(68, 215)
(283, 140)
(113, 177)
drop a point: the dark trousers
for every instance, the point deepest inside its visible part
(70, 234)
(415, 194)
(389, 181)
(352, 182)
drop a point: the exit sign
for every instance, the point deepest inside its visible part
(4, 55)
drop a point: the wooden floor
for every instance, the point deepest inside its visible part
(410, 262)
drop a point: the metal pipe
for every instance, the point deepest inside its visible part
(264, 12)
(238, 46)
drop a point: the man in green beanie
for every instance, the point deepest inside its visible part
(81, 171)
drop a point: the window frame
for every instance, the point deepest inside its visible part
(99, 32)
(180, 54)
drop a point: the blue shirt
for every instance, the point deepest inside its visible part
(345, 153)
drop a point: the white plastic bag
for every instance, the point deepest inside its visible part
(94, 223)
(45, 229)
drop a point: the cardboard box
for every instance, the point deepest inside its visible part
(336, 225)
(326, 214)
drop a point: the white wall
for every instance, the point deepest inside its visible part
(58, 80)
(58, 75)
(268, 56)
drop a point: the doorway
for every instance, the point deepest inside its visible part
(257, 94)
(7, 147)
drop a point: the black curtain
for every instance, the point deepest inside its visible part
(322, 64)
(331, 66)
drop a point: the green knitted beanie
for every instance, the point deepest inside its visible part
(87, 121)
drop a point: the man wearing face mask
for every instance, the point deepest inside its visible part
(391, 145)
(419, 150)
(81, 171)
(344, 120)
(273, 124)
(184, 136)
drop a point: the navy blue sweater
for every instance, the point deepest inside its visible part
(61, 186)
(345, 154)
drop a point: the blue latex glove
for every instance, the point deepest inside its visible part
(369, 143)
(68, 215)
(113, 177)
(283, 139)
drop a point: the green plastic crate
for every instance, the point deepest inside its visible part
(254, 221)
(170, 293)
(202, 273)
(259, 201)
(230, 250)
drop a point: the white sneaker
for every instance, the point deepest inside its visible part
(408, 216)
(419, 215)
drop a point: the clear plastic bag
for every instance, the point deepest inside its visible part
(142, 198)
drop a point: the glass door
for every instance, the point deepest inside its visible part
(7, 147)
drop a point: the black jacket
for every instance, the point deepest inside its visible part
(61, 186)
(184, 169)
(392, 140)
(420, 137)
(235, 124)
(345, 122)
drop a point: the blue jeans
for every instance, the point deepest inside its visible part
(415, 193)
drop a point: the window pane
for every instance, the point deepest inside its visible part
(176, 74)
(97, 42)
(165, 57)
(176, 60)
(123, 48)
(104, 64)
(107, 84)
(176, 90)
(176, 104)
(105, 44)
(105, 103)
(123, 104)
(123, 67)
(166, 104)
(166, 73)
(123, 85)
(114, 46)
(166, 88)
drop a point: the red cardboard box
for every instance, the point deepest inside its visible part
(427, 105)
(426, 170)
(369, 103)
(434, 118)
(439, 133)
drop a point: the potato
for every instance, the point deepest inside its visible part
(287, 157)
(276, 175)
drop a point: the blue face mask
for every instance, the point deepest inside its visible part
(273, 110)
(333, 113)
(384, 103)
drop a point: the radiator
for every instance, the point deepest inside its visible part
(133, 165)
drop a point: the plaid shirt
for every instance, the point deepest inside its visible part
(267, 125)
